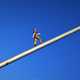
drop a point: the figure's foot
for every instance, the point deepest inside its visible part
(35, 45)
(41, 42)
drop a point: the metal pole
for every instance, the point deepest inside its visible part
(25, 53)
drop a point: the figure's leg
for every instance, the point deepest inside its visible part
(41, 41)
(39, 38)
(35, 42)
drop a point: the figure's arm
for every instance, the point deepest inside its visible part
(33, 36)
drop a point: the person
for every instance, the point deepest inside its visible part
(36, 37)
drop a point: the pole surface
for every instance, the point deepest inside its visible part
(25, 53)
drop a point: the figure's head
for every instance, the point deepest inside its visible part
(34, 29)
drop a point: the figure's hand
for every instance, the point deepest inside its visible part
(38, 33)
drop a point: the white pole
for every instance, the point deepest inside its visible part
(23, 54)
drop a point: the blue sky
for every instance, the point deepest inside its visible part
(59, 61)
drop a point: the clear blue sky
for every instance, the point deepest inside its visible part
(59, 61)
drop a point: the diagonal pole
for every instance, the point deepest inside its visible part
(30, 51)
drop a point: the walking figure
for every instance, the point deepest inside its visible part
(36, 37)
